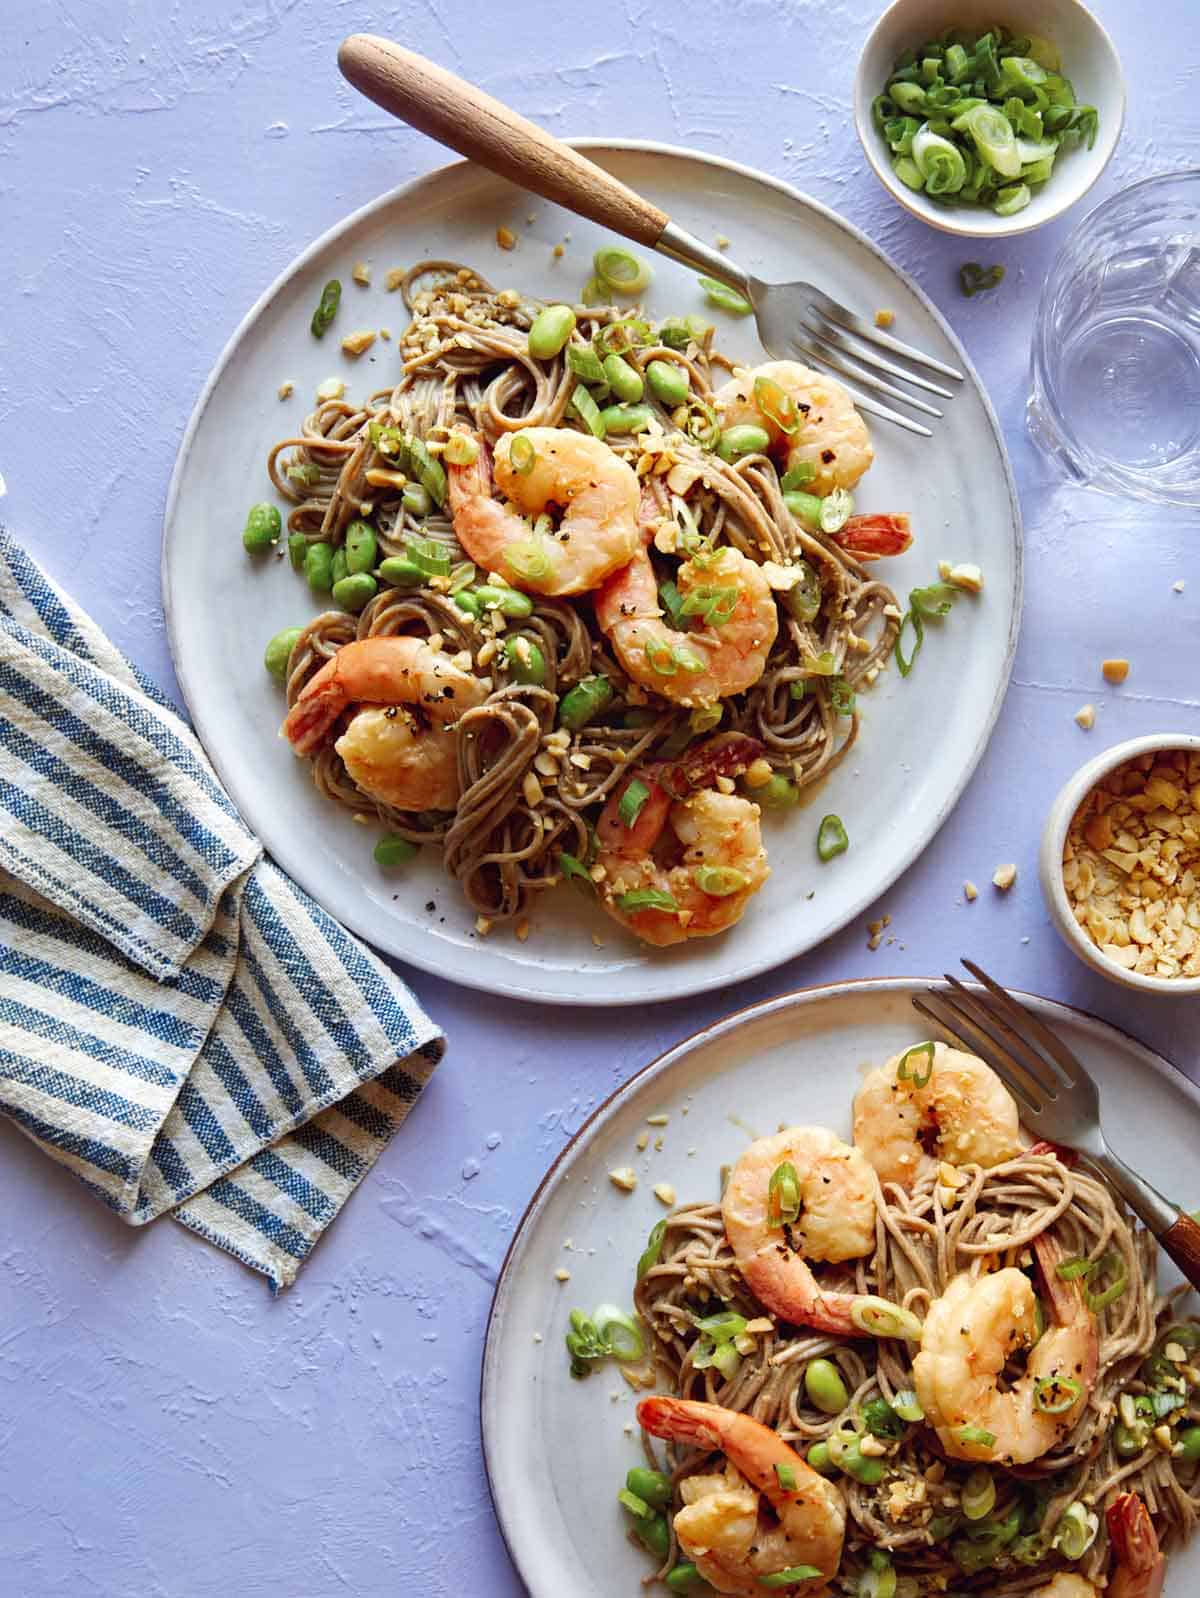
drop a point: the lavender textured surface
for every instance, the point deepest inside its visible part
(167, 1429)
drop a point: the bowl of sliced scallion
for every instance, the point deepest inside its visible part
(988, 120)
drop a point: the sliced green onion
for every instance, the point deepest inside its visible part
(939, 161)
(428, 555)
(588, 411)
(787, 1477)
(637, 1507)
(645, 899)
(461, 449)
(620, 1331)
(584, 363)
(429, 473)
(716, 604)
(583, 703)
(788, 1577)
(723, 1327)
(1116, 1288)
(784, 1202)
(803, 599)
(327, 305)
(574, 871)
(912, 618)
(719, 881)
(822, 665)
(776, 404)
(671, 601)
(618, 338)
(836, 510)
(393, 850)
(841, 697)
(979, 1494)
(992, 135)
(660, 657)
(1076, 1531)
(680, 331)
(701, 423)
(832, 838)
(724, 298)
(797, 477)
(976, 1435)
(907, 1405)
(1012, 199)
(705, 717)
(881, 1420)
(632, 801)
(935, 600)
(529, 561)
(879, 1580)
(620, 270)
(521, 454)
(1073, 1269)
(462, 576)
(879, 1317)
(919, 1076)
(652, 1252)
(594, 292)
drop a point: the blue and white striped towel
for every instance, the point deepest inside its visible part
(180, 1025)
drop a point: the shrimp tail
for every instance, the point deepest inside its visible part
(1064, 1156)
(312, 718)
(875, 537)
(682, 1420)
(1140, 1563)
(726, 755)
(472, 481)
(1067, 1302)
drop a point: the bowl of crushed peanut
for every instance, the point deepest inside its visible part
(1120, 863)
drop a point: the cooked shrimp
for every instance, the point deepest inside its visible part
(717, 865)
(597, 491)
(1140, 1567)
(837, 1190)
(953, 1108)
(724, 1526)
(724, 656)
(970, 1334)
(829, 434)
(874, 537)
(403, 755)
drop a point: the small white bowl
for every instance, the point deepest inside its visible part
(1050, 860)
(1089, 59)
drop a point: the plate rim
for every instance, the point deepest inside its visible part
(613, 995)
(794, 998)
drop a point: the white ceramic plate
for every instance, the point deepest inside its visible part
(556, 1449)
(894, 793)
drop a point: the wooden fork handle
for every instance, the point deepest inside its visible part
(1182, 1243)
(456, 113)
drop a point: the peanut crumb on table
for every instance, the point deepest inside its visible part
(394, 278)
(970, 891)
(361, 273)
(286, 390)
(355, 343)
(623, 1177)
(1085, 717)
(1004, 877)
(1114, 671)
(562, 1276)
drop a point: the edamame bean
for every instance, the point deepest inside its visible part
(745, 439)
(584, 702)
(818, 1458)
(619, 419)
(362, 548)
(624, 380)
(526, 665)
(297, 549)
(393, 850)
(684, 1577)
(824, 1385)
(337, 566)
(551, 329)
(848, 1457)
(1189, 1441)
(416, 500)
(508, 601)
(278, 651)
(318, 567)
(650, 1485)
(652, 1533)
(401, 572)
(667, 382)
(1130, 1440)
(466, 600)
(778, 794)
(262, 527)
(355, 591)
(806, 508)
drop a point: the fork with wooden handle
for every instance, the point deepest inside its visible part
(794, 319)
(1056, 1097)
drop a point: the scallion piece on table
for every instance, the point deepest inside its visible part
(976, 279)
(724, 298)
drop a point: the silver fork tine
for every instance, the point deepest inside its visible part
(821, 354)
(878, 408)
(963, 1031)
(1003, 1035)
(877, 363)
(1055, 1047)
(855, 324)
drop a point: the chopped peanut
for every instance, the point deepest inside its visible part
(665, 1194)
(332, 388)
(361, 273)
(758, 773)
(286, 390)
(1085, 717)
(506, 238)
(394, 278)
(355, 343)
(624, 1177)
(970, 891)
(884, 318)
(1115, 670)
(966, 576)
(1004, 877)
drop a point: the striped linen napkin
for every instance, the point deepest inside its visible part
(180, 1025)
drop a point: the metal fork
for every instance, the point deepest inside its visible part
(1056, 1097)
(794, 319)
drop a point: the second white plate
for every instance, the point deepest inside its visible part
(921, 736)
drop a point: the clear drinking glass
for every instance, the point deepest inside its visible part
(1116, 346)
